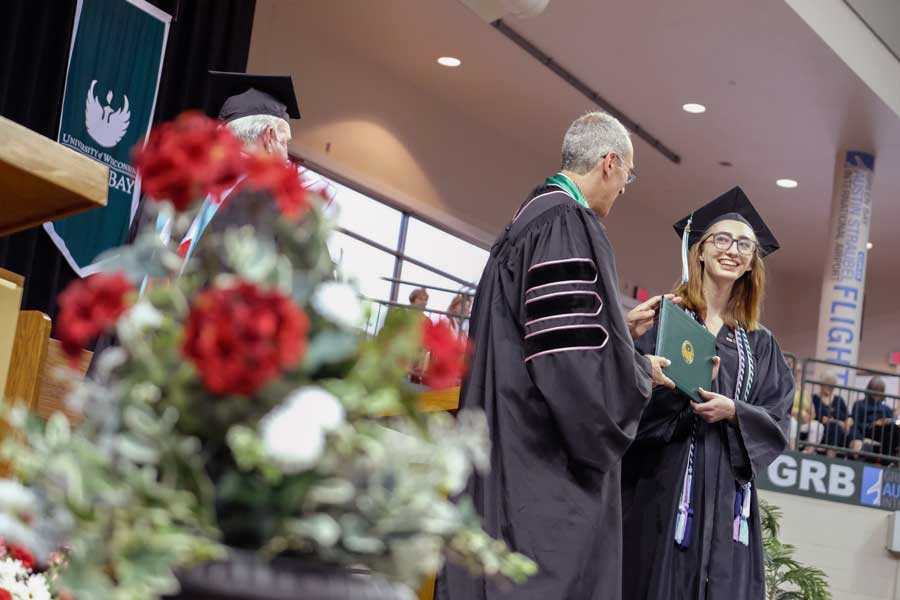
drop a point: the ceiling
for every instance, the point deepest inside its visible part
(780, 102)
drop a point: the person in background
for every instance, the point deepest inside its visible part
(419, 297)
(803, 425)
(257, 110)
(873, 419)
(833, 414)
(460, 308)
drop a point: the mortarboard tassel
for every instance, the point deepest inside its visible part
(685, 239)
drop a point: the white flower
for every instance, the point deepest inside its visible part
(16, 531)
(339, 303)
(456, 468)
(10, 571)
(136, 320)
(15, 579)
(37, 588)
(293, 434)
(15, 497)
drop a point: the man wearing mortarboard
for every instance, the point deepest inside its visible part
(256, 109)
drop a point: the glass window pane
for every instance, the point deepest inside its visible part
(361, 262)
(357, 212)
(445, 251)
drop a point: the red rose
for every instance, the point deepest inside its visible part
(187, 159)
(5, 595)
(23, 556)
(240, 337)
(88, 307)
(447, 355)
(268, 172)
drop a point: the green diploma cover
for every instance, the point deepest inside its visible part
(690, 347)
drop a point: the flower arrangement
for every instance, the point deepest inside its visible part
(243, 406)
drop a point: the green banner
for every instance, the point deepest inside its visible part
(834, 479)
(110, 96)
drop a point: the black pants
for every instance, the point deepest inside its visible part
(888, 436)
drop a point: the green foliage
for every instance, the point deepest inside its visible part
(786, 578)
(161, 473)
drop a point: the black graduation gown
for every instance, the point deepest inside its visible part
(555, 370)
(714, 566)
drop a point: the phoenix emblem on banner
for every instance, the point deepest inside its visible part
(105, 125)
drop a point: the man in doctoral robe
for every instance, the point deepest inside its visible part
(256, 109)
(555, 370)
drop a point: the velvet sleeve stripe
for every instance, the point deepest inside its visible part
(565, 338)
(576, 303)
(559, 272)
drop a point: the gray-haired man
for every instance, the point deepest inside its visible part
(555, 371)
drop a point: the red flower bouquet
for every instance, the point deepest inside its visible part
(240, 338)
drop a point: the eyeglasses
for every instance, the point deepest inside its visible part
(724, 241)
(631, 174)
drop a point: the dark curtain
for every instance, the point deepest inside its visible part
(35, 36)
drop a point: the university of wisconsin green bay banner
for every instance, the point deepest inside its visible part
(110, 96)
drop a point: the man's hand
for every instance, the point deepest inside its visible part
(659, 378)
(642, 317)
(716, 408)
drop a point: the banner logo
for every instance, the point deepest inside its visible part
(105, 125)
(871, 486)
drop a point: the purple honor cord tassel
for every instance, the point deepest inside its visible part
(685, 511)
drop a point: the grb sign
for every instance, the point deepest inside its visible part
(833, 479)
(114, 68)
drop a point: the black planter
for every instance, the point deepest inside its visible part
(245, 577)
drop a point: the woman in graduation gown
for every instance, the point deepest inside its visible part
(689, 500)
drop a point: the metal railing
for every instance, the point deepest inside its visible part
(380, 308)
(842, 419)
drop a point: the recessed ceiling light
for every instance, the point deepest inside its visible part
(694, 108)
(786, 183)
(449, 61)
(869, 246)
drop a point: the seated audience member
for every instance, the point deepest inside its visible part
(803, 425)
(832, 412)
(873, 419)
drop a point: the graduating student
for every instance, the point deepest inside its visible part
(690, 515)
(556, 372)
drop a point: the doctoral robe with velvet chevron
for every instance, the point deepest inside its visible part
(556, 372)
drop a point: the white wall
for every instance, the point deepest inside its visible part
(792, 312)
(847, 542)
(370, 126)
(382, 132)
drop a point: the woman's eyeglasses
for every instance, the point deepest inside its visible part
(724, 241)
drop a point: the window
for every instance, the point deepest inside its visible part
(444, 251)
(362, 263)
(361, 214)
(368, 248)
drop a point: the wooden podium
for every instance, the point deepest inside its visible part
(40, 181)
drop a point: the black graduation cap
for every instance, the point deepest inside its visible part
(733, 205)
(235, 95)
